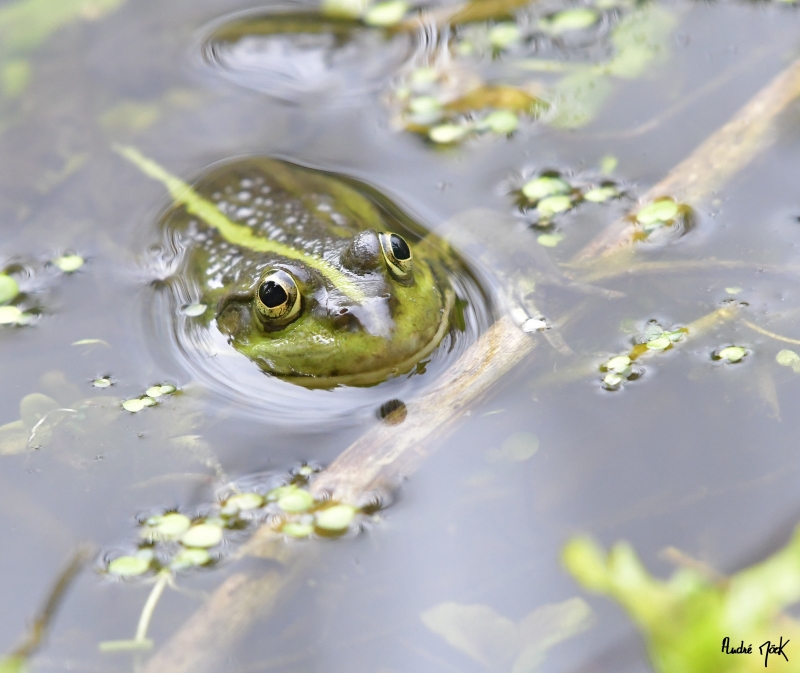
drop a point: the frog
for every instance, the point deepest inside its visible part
(315, 277)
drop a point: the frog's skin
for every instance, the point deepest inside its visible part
(358, 321)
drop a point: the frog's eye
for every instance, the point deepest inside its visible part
(397, 254)
(277, 299)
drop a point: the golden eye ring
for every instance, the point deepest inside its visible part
(397, 254)
(277, 298)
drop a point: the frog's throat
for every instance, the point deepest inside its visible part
(379, 375)
(238, 234)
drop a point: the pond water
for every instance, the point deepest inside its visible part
(697, 454)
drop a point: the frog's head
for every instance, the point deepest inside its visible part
(371, 308)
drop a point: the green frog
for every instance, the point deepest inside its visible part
(313, 277)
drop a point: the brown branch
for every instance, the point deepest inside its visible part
(713, 163)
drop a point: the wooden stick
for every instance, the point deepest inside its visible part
(713, 163)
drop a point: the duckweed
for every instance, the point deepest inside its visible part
(731, 353)
(787, 358)
(601, 194)
(578, 18)
(128, 566)
(202, 536)
(8, 288)
(169, 526)
(296, 500)
(102, 382)
(446, 134)
(386, 13)
(11, 315)
(335, 519)
(297, 530)
(500, 122)
(133, 405)
(543, 187)
(657, 213)
(550, 240)
(243, 502)
(69, 263)
(190, 558)
(552, 205)
(504, 35)
(659, 343)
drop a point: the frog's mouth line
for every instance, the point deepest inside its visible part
(378, 375)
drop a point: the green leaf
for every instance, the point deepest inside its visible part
(8, 288)
(544, 186)
(335, 519)
(386, 13)
(128, 566)
(202, 536)
(296, 500)
(69, 263)
(662, 210)
(570, 19)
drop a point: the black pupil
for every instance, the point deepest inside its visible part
(271, 294)
(400, 248)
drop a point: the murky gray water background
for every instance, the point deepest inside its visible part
(690, 456)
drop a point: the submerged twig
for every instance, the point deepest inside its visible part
(33, 640)
(772, 335)
(727, 151)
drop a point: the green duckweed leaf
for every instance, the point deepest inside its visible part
(296, 500)
(544, 186)
(501, 122)
(148, 401)
(203, 536)
(425, 105)
(618, 364)
(103, 382)
(243, 502)
(601, 194)
(190, 558)
(128, 566)
(133, 405)
(69, 263)
(445, 134)
(550, 240)
(11, 315)
(297, 530)
(386, 13)
(612, 380)
(732, 353)
(733, 290)
(659, 344)
(787, 358)
(662, 210)
(552, 205)
(504, 34)
(336, 518)
(8, 288)
(570, 19)
(169, 526)
(608, 164)
(351, 9)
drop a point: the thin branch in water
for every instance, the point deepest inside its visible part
(772, 335)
